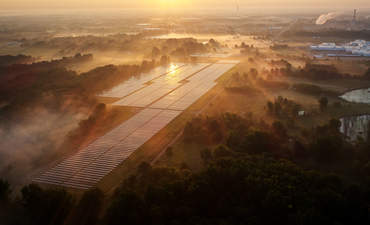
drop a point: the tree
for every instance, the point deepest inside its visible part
(169, 152)
(4, 191)
(251, 190)
(270, 107)
(367, 74)
(279, 129)
(253, 72)
(144, 167)
(323, 101)
(221, 152)
(155, 52)
(258, 142)
(165, 60)
(334, 125)
(327, 148)
(44, 207)
(127, 208)
(88, 208)
(206, 155)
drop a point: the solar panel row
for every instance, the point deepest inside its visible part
(171, 98)
(67, 168)
(229, 62)
(94, 172)
(135, 83)
(199, 84)
(205, 84)
(160, 87)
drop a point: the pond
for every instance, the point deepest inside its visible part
(355, 126)
(357, 96)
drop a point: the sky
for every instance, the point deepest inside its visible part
(63, 4)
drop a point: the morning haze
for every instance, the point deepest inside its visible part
(178, 112)
(20, 4)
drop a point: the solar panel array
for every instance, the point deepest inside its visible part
(160, 87)
(136, 83)
(225, 61)
(86, 168)
(189, 93)
(163, 100)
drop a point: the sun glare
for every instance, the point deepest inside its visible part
(172, 68)
(172, 3)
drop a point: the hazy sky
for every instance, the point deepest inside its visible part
(19, 4)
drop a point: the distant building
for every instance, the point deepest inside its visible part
(302, 113)
(327, 47)
(355, 48)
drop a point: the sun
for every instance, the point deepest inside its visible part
(171, 3)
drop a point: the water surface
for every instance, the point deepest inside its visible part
(357, 96)
(355, 126)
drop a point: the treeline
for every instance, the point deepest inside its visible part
(7, 60)
(277, 47)
(310, 71)
(248, 49)
(139, 43)
(283, 108)
(30, 84)
(322, 145)
(48, 206)
(316, 72)
(243, 83)
(88, 43)
(21, 76)
(183, 48)
(311, 89)
(44, 83)
(334, 33)
(247, 82)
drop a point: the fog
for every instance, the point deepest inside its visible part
(177, 3)
(36, 139)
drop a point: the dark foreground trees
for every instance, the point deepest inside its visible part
(4, 191)
(44, 206)
(252, 190)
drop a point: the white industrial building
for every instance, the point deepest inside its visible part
(355, 48)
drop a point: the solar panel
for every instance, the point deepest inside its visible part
(160, 87)
(67, 168)
(103, 165)
(195, 81)
(135, 83)
(234, 62)
(198, 85)
(84, 169)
